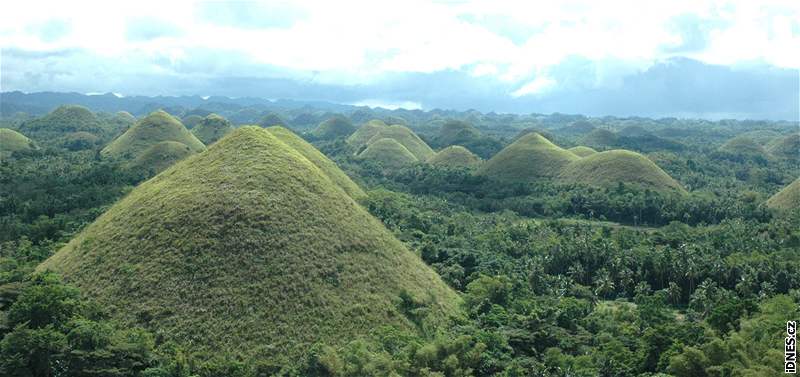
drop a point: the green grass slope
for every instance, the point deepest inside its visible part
(743, 146)
(787, 199)
(160, 156)
(457, 132)
(582, 151)
(320, 160)
(191, 121)
(333, 127)
(388, 153)
(787, 147)
(609, 168)
(13, 141)
(362, 135)
(212, 128)
(455, 156)
(248, 248)
(407, 138)
(150, 130)
(272, 119)
(599, 138)
(64, 120)
(530, 158)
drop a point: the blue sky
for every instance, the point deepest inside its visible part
(712, 59)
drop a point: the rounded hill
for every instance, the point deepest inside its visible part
(333, 127)
(13, 141)
(150, 130)
(610, 168)
(388, 153)
(788, 199)
(407, 138)
(530, 158)
(743, 146)
(582, 151)
(787, 147)
(159, 156)
(63, 120)
(457, 132)
(212, 128)
(362, 135)
(455, 156)
(328, 167)
(250, 249)
(599, 138)
(272, 119)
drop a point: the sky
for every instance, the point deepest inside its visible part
(706, 59)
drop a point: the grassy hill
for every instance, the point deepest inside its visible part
(388, 153)
(455, 156)
(530, 158)
(159, 156)
(250, 249)
(787, 199)
(150, 130)
(64, 120)
(609, 168)
(362, 135)
(743, 146)
(456, 132)
(191, 121)
(13, 141)
(212, 128)
(333, 127)
(599, 138)
(545, 134)
(582, 151)
(633, 131)
(580, 127)
(322, 162)
(407, 138)
(272, 119)
(787, 147)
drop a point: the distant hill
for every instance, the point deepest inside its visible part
(362, 135)
(743, 146)
(786, 147)
(545, 134)
(62, 121)
(158, 157)
(333, 127)
(407, 138)
(581, 127)
(633, 131)
(212, 128)
(272, 119)
(191, 121)
(456, 132)
(788, 199)
(249, 249)
(13, 141)
(599, 138)
(388, 153)
(530, 158)
(609, 168)
(455, 156)
(150, 130)
(316, 157)
(582, 151)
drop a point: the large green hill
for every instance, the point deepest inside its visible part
(599, 138)
(64, 120)
(457, 132)
(212, 128)
(455, 156)
(582, 151)
(333, 127)
(388, 153)
(787, 147)
(743, 146)
(788, 199)
(530, 158)
(250, 249)
(150, 130)
(13, 141)
(407, 138)
(159, 156)
(609, 168)
(320, 160)
(272, 119)
(362, 135)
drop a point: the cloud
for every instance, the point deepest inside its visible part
(251, 15)
(145, 29)
(538, 86)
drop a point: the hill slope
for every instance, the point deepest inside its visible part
(582, 151)
(152, 129)
(599, 138)
(407, 138)
(248, 248)
(333, 127)
(527, 159)
(212, 128)
(328, 167)
(13, 141)
(388, 153)
(159, 157)
(362, 135)
(609, 168)
(455, 156)
(63, 120)
(457, 132)
(787, 147)
(787, 199)
(743, 146)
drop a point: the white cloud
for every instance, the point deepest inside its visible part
(538, 86)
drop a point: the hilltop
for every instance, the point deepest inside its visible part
(150, 130)
(63, 120)
(788, 199)
(272, 119)
(609, 168)
(455, 156)
(316, 157)
(407, 138)
(250, 249)
(212, 128)
(582, 151)
(599, 138)
(362, 135)
(743, 146)
(13, 141)
(333, 127)
(787, 147)
(159, 156)
(527, 159)
(388, 153)
(457, 132)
